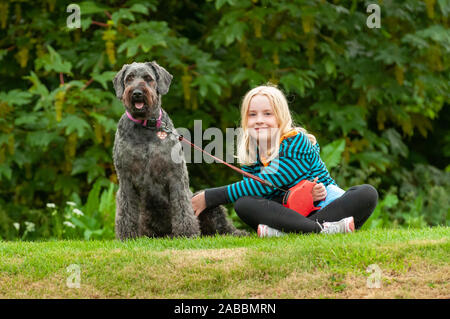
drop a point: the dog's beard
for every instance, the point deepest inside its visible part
(141, 108)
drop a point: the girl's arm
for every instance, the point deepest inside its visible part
(297, 157)
(282, 172)
(216, 196)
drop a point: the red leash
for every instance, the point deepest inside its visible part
(181, 138)
(298, 198)
(157, 125)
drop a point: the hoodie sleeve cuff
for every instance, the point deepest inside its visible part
(216, 196)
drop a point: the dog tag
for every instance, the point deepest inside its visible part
(162, 135)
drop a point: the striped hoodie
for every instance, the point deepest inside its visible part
(297, 160)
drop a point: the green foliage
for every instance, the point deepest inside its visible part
(72, 220)
(422, 199)
(332, 153)
(371, 96)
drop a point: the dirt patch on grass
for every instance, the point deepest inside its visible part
(199, 257)
(421, 280)
(20, 287)
(195, 254)
(198, 273)
(427, 242)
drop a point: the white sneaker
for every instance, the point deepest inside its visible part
(346, 225)
(266, 231)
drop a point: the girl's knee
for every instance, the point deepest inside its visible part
(245, 205)
(369, 195)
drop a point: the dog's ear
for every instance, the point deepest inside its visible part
(119, 81)
(163, 78)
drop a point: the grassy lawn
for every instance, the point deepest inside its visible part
(413, 263)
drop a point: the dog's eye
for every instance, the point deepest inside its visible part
(130, 78)
(148, 78)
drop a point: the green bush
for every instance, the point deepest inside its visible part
(71, 220)
(383, 93)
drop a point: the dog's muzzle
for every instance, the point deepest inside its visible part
(137, 99)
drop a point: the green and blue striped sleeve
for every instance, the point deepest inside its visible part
(282, 172)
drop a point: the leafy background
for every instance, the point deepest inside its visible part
(376, 99)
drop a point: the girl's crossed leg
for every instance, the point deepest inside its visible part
(358, 201)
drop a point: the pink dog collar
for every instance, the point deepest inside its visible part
(144, 122)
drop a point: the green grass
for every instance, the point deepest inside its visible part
(414, 263)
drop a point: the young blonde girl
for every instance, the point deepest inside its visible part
(273, 148)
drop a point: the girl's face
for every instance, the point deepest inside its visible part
(261, 121)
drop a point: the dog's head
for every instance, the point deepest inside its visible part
(140, 86)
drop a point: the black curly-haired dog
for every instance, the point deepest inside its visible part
(154, 198)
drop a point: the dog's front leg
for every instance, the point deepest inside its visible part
(127, 213)
(184, 222)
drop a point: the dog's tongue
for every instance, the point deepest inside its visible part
(139, 105)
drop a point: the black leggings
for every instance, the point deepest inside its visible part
(358, 201)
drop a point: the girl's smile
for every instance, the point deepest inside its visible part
(261, 121)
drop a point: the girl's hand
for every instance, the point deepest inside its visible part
(198, 203)
(319, 192)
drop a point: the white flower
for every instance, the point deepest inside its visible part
(51, 205)
(71, 203)
(69, 224)
(29, 226)
(16, 226)
(77, 212)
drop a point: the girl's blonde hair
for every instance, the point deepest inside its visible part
(246, 150)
